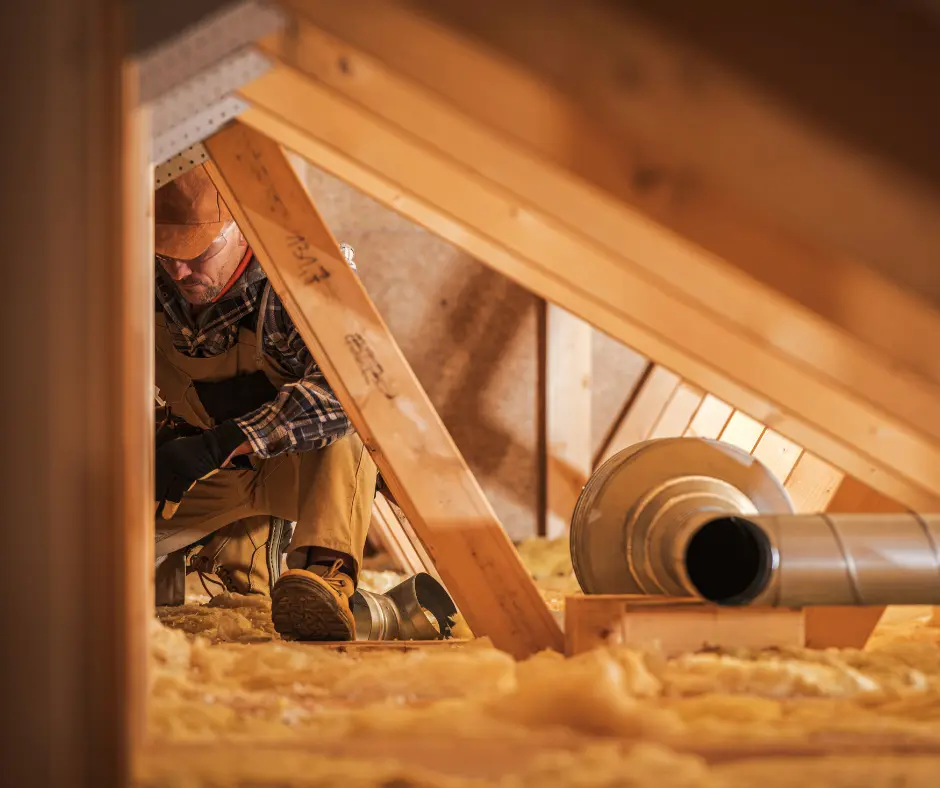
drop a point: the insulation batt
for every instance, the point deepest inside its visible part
(612, 717)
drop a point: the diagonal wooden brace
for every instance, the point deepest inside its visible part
(380, 393)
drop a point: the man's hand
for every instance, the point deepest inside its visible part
(182, 462)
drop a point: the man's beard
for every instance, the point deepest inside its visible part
(205, 295)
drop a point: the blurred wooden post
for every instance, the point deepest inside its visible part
(136, 407)
(76, 318)
(567, 384)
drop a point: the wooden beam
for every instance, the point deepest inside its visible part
(685, 108)
(380, 393)
(75, 414)
(567, 395)
(384, 66)
(746, 345)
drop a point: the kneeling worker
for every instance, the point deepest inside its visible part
(266, 434)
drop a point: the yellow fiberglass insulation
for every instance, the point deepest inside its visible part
(469, 715)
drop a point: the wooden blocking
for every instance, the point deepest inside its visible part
(675, 625)
(380, 393)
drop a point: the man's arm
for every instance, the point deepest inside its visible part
(306, 414)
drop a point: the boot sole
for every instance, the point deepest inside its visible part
(277, 541)
(302, 609)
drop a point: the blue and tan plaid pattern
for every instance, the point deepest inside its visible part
(306, 414)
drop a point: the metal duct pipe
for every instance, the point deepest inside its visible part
(691, 517)
(401, 612)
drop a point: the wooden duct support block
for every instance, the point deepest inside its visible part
(675, 625)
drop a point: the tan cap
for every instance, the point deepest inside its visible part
(189, 214)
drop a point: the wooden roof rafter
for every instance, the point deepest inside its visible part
(446, 158)
(391, 412)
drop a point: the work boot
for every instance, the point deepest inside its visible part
(245, 555)
(170, 579)
(313, 604)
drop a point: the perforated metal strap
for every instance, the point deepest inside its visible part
(201, 45)
(183, 162)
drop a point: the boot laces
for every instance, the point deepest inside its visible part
(334, 577)
(205, 572)
(205, 568)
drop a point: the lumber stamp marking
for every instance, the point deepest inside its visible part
(386, 404)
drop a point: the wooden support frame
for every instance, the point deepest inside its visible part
(778, 375)
(384, 401)
(639, 127)
(737, 108)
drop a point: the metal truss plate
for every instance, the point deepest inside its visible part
(206, 89)
(195, 128)
(182, 162)
(200, 46)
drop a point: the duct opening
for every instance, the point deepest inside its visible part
(729, 561)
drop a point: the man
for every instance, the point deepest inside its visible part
(266, 435)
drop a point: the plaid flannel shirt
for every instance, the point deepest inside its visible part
(306, 414)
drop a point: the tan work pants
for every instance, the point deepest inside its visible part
(327, 492)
